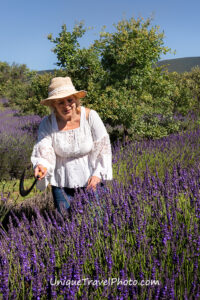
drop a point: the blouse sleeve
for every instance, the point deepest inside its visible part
(101, 154)
(43, 152)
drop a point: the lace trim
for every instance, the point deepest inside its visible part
(101, 147)
(44, 151)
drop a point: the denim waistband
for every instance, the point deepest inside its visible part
(70, 191)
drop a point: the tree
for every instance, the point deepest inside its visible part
(194, 75)
(79, 64)
(118, 71)
(130, 51)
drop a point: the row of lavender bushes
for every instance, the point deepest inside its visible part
(144, 227)
(17, 136)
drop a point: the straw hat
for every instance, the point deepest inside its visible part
(61, 87)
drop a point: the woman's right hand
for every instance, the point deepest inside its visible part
(40, 171)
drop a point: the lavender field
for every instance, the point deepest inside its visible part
(139, 240)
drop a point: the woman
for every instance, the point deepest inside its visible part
(73, 148)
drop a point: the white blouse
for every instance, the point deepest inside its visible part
(72, 156)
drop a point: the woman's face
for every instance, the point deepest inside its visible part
(64, 106)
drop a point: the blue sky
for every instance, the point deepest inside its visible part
(25, 25)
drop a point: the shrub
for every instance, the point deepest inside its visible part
(17, 136)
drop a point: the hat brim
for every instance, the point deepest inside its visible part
(78, 94)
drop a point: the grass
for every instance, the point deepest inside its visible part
(10, 190)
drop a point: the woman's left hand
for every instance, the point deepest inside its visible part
(92, 182)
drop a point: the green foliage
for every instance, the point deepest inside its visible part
(182, 96)
(37, 91)
(118, 71)
(186, 96)
(67, 45)
(82, 65)
(13, 81)
(4, 76)
(24, 88)
(194, 76)
(129, 53)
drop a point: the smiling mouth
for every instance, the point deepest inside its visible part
(67, 111)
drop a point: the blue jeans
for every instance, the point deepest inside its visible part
(62, 197)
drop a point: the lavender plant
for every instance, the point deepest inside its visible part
(17, 136)
(141, 234)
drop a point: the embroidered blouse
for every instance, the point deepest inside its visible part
(72, 156)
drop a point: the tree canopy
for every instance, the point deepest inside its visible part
(120, 73)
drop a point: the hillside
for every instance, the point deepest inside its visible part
(180, 65)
